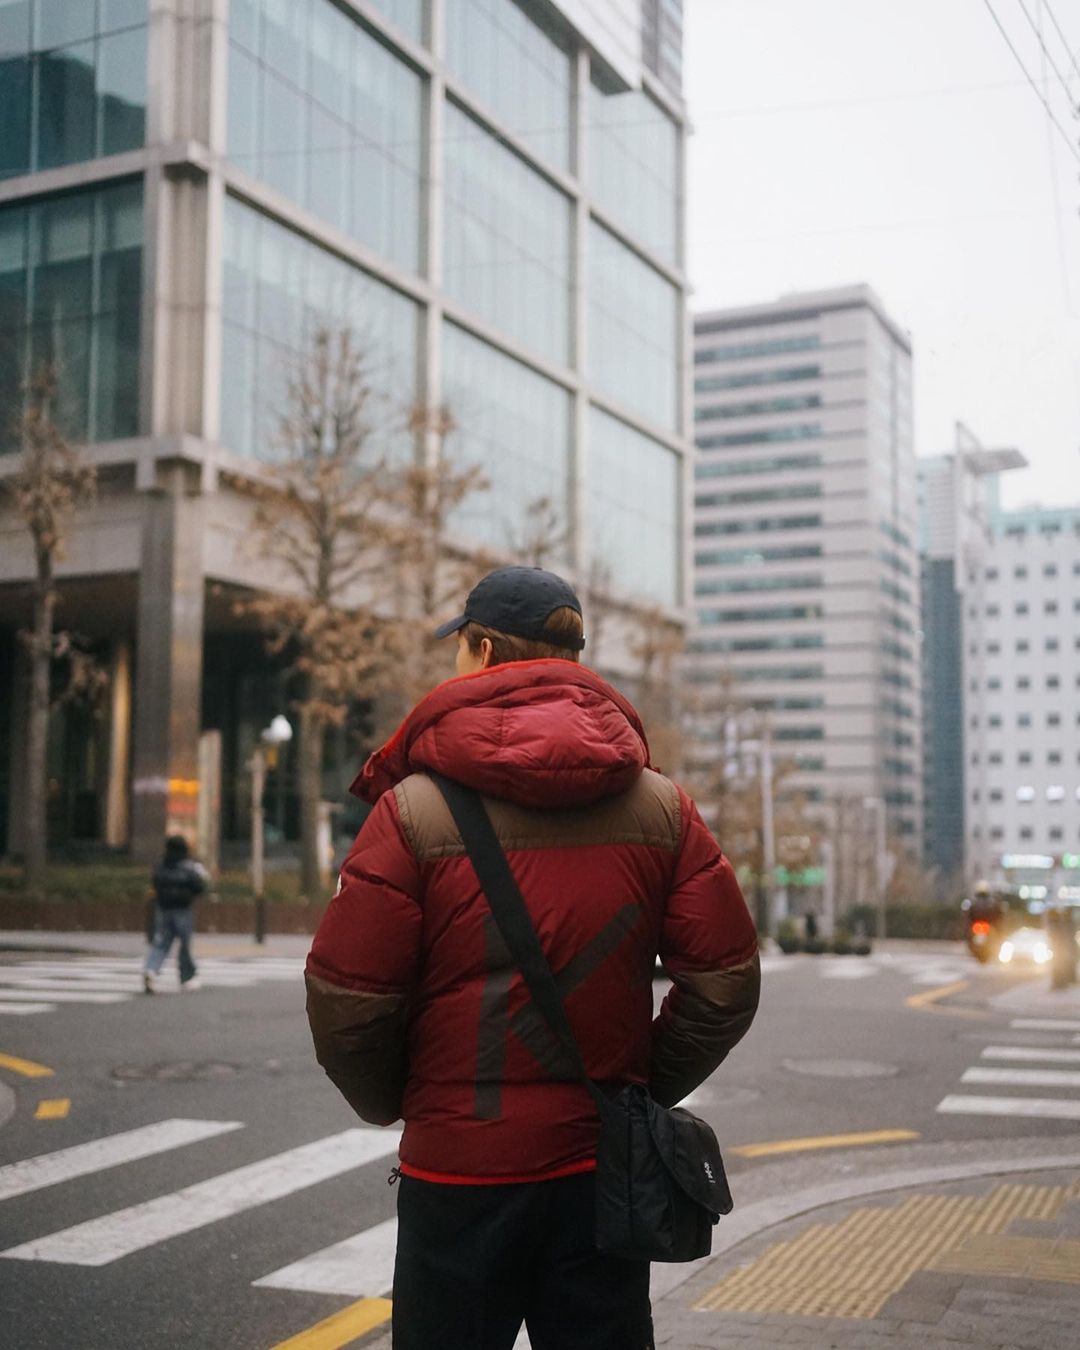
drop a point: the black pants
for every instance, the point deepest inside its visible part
(474, 1262)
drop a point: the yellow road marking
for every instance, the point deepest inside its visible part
(54, 1108)
(342, 1327)
(824, 1141)
(26, 1067)
(927, 1001)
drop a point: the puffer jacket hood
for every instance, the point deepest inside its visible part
(547, 733)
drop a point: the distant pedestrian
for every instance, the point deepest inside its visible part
(178, 879)
(1059, 930)
(810, 919)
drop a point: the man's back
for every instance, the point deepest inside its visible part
(615, 866)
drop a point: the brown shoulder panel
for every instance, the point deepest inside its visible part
(648, 813)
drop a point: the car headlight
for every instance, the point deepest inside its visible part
(1042, 953)
(1006, 952)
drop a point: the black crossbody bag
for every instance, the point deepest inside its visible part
(660, 1182)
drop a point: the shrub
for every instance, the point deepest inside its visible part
(787, 937)
(841, 943)
(815, 946)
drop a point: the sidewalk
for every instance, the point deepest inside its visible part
(991, 1263)
(134, 944)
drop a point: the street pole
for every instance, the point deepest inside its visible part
(258, 886)
(768, 836)
(877, 806)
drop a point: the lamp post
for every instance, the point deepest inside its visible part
(264, 756)
(882, 868)
(762, 747)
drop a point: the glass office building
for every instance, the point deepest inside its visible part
(487, 193)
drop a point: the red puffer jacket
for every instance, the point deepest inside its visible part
(415, 1007)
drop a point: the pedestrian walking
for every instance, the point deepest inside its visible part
(418, 1012)
(1063, 954)
(178, 879)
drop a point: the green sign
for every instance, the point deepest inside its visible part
(806, 876)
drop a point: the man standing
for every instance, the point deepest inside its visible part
(418, 1013)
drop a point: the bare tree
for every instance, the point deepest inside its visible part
(319, 516)
(542, 537)
(656, 644)
(427, 567)
(50, 483)
(363, 548)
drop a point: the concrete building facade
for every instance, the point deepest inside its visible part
(1022, 705)
(805, 569)
(488, 193)
(958, 506)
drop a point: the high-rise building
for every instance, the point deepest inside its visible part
(958, 505)
(489, 193)
(805, 571)
(1022, 705)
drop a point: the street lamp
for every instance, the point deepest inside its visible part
(264, 756)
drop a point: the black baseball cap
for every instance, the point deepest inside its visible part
(518, 601)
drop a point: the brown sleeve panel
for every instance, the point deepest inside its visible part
(702, 1018)
(649, 813)
(360, 1042)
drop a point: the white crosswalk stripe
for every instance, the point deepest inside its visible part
(1031, 1054)
(1049, 1108)
(112, 1150)
(1043, 1024)
(42, 985)
(98, 1242)
(360, 1267)
(1038, 1063)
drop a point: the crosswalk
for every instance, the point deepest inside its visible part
(1046, 1062)
(44, 985)
(361, 1266)
(921, 968)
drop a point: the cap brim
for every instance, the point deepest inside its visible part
(454, 626)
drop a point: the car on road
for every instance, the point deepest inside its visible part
(1026, 946)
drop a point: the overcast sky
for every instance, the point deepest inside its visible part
(897, 142)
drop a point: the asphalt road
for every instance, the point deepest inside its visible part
(178, 1239)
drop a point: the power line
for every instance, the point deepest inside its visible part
(1061, 35)
(1027, 75)
(1047, 58)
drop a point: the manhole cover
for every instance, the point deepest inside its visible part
(841, 1068)
(180, 1071)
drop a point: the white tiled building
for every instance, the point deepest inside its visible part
(1022, 704)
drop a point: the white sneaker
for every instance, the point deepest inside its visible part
(149, 983)
(191, 986)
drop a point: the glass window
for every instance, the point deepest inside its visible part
(749, 496)
(748, 378)
(278, 287)
(632, 330)
(798, 432)
(70, 291)
(121, 89)
(632, 166)
(513, 423)
(793, 403)
(507, 256)
(634, 495)
(331, 118)
(71, 88)
(407, 14)
(522, 73)
(766, 347)
(719, 468)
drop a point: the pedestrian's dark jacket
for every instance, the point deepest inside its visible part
(177, 882)
(415, 1007)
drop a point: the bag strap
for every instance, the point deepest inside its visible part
(511, 916)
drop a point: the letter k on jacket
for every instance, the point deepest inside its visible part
(415, 1007)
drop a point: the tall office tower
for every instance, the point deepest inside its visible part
(487, 193)
(806, 575)
(958, 504)
(1022, 705)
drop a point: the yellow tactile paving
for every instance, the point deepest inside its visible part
(852, 1267)
(1032, 1258)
